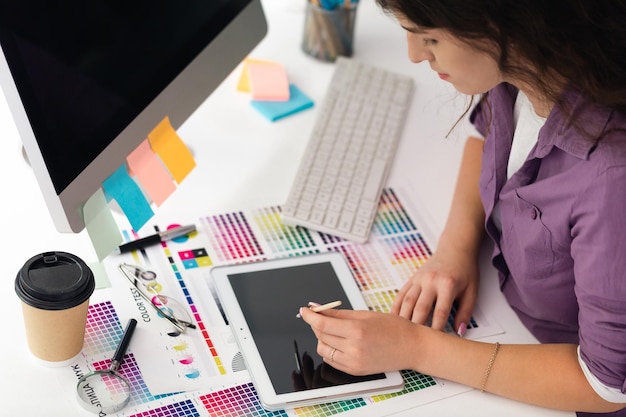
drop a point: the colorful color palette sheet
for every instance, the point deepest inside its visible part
(201, 372)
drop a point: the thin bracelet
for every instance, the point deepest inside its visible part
(489, 366)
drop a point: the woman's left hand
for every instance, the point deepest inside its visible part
(364, 342)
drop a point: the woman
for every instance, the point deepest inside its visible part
(546, 178)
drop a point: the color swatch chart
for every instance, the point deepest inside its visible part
(398, 246)
(102, 335)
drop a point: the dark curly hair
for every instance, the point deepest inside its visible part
(580, 44)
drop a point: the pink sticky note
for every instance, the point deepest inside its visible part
(151, 173)
(243, 84)
(268, 81)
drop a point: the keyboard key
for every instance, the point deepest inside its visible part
(373, 185)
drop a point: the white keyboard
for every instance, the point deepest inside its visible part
(350, 151)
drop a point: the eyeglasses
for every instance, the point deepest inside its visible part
(150, 290)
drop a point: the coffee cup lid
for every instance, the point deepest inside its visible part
(54, 281)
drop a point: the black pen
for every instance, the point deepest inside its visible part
(156, 238)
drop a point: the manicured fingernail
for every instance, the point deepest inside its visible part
(299, 315)
(462, 329)
(314, 304)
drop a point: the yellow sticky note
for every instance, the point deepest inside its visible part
(244, 79)
(151, 173)
(172, 150)
(268, 82)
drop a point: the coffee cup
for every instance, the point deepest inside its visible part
(55, 288)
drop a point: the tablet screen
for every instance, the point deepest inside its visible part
(269, 300)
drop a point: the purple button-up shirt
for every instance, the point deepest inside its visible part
(561, 251)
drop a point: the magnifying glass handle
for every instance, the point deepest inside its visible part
(121, 348)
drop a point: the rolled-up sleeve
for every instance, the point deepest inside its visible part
(599, 253)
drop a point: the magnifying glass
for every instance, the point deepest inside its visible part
(106, 390)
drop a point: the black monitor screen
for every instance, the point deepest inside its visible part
(84, 70)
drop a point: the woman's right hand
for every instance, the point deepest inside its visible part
(451, 274)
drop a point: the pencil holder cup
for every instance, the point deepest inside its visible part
(329, 33)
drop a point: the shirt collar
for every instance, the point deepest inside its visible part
(558, 132)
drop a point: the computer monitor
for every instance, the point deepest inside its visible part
(87, 82)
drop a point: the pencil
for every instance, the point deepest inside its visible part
(317, 308)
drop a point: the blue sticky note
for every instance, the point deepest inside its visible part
(123, 189)
(274, 110)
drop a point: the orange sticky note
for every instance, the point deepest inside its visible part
(268, 82)
(244, 80)
(171, 149)
(151, 173)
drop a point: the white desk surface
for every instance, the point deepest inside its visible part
(228, 136)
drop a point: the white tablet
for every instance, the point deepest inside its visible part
(261, 301)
